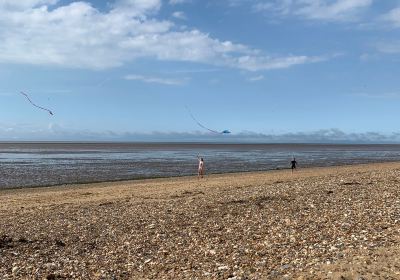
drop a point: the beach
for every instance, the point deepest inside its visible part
(317, 223)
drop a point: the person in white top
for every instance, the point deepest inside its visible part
(201, 167)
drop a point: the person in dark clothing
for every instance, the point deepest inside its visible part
(294, 164)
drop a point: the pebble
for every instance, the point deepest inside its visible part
(15, 269)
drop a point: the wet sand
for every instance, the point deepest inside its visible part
(319, 223)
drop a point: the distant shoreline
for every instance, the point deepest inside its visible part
(190, 142)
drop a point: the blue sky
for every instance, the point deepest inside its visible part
(264, 69)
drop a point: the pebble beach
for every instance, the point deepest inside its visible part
(317, 223)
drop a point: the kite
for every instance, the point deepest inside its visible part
(202, 126)
(30, 101)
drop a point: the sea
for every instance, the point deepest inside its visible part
(47, 164)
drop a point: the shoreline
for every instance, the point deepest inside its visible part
(139, 179)
(338, 222)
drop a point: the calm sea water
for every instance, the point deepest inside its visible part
(43, 164)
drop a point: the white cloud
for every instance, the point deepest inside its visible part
(196, 71)
(17, 5)
(392, 17)
(326, 10)
(179, 15)
(156, 80)
(283, 7)
(382, 95)
(136, 7)
(79, 35)
(256, 78)
(175, 2)
(338, 10)
(256, 63)
(389, 47)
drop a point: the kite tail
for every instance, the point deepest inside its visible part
(199, 124)
(30, 101)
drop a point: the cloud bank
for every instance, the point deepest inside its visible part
(47, 32)
(54, 132)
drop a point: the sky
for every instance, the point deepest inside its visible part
(267, 70)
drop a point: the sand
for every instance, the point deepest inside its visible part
(318, 223)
